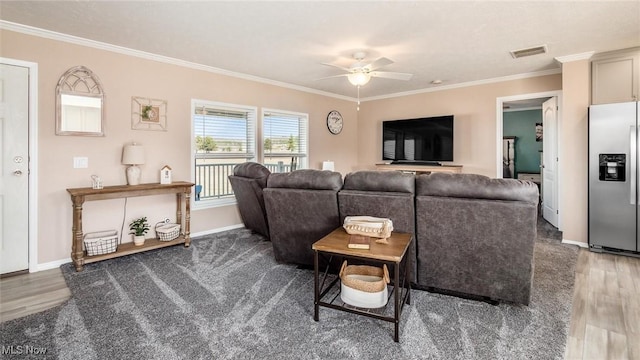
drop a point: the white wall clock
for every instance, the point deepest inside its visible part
(334, 122)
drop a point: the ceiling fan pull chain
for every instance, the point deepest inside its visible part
(358, 107)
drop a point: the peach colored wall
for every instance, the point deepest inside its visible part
(573, 149)
(122, 77)
(474, 108)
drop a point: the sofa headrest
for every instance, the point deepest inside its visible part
(306, 179)
(476, 187)
(253, 170)
(384, 181)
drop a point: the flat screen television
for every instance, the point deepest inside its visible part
(424, 140)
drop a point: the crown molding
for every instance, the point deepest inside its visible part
(34, 31)
(30, 30)
(467, 84)
(575, 57)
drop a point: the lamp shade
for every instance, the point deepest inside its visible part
(133, 154)
(328, 165)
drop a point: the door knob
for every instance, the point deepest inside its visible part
(17, 172)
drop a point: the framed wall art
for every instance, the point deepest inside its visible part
(148, 114)
(539, 131)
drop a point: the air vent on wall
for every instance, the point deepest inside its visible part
(542, 49)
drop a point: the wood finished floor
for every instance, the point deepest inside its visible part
(605, 321)
(26, 294)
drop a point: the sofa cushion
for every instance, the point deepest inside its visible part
(476, 187)
(381, 181)
(308, 179)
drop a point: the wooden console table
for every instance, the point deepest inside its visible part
(419, 169)
(182, 190)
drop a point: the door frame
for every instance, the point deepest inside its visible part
(500, 132)
(33, 158)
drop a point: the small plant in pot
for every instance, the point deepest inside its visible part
(139, 227)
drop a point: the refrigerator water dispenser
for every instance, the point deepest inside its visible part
(612, 167)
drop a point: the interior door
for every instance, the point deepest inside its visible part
(14, 162)
(549, 166)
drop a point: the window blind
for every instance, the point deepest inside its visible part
(285, 135)
(224, 132)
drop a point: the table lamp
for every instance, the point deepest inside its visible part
(133, 155)
(328, 165)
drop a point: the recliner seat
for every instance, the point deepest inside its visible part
(248, 181)
(302, 207)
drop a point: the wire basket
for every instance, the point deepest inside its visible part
(101, 242)
(167, 232)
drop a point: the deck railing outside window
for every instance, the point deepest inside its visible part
(212, 178)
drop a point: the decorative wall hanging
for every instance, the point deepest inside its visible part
(79, 103)
(148, 114)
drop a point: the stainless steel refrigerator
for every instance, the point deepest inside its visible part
(613, 178)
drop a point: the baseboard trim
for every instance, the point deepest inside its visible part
(51, 265)
(217, 230)
(573, 242)
(57, 263)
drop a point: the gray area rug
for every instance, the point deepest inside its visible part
(225, 297)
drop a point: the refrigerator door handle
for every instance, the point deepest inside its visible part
(633, 148)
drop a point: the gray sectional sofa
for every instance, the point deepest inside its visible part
(473, 235)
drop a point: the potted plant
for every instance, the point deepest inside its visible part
(139, 227)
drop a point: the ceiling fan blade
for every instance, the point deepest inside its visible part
(337, 66)
(331, 77)
(383, 61)
(391, 75)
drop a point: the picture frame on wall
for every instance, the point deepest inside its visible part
(538, 131)
(148, 114)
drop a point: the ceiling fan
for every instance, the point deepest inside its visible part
(360, 72)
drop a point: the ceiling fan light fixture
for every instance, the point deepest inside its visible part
(359, 78)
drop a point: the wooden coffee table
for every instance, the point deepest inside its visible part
(335, 244)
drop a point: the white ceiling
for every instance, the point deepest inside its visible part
(455, 41)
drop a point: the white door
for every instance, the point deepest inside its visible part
(14, 181)
(549, 166)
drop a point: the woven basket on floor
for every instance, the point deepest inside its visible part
(363, 285)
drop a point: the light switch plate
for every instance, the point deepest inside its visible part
(80, 162)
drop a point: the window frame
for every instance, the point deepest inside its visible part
(252, 121)
(260, 149)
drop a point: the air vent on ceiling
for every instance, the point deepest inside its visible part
(542, 49)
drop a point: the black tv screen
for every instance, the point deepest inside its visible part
(418, 140)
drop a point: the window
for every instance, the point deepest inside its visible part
(284, 140)
(223, 136)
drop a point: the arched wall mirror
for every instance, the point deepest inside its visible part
(79, 103)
